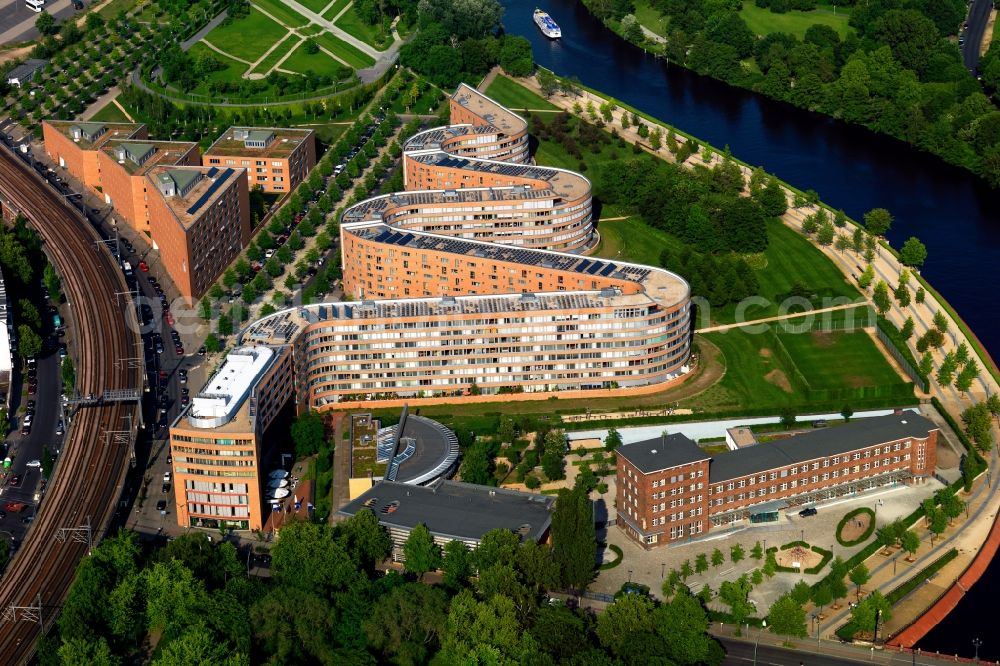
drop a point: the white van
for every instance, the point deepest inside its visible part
(35, 5)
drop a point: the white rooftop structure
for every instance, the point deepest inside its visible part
(225, 392)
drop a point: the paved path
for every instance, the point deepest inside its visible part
(652, 36)
(100, 103)
(339, 33)
(765, 320)
(229, 55)
(200, 35)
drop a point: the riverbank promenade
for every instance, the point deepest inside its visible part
(968, 533)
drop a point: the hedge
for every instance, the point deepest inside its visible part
(897, 594)
(618, 557)
(826, 555)
(894, 335)
(852, 514)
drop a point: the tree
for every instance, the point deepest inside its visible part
(913, 253)
(940, 322)
(840, 219)
(701, 563)
(910, 543)
(926, 364)
(421, 553)
(559, 632)
(878, 221)
(613, 439)
(993, 404)
(907, 330)
(734, 594)
(28, 342)
(978, 425)
(757, 552)
(968, 375)
(686, 571)
(822, 596)
(772, 198)
(787, 617)
(717, 557)
(406, 621)
(880, 297)
(308, 433)
(859, 576)
(788, 417)
(45, 23)
(951, 505)
(456, 564)
(825, 234)
(920, 296)
(847, 412)
(629, 615)
(838, 589)
(574, 538)
(866, 277)
(484, 632)
(801, 592)
(736, 554)
(902, 295)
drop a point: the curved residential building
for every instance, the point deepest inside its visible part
(473, 283)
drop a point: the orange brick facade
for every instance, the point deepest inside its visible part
(82, 161)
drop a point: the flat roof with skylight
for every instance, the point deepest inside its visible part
(138, 157)
(224, 395)
(263, 142)
(94, 135)
(191, 190)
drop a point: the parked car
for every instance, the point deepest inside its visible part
(161, 505)
(33, 464)
(15, 480)
(60, 428)
(805, 513)
(15, 507)
(143, 266)
(166, 487)
(166, 477)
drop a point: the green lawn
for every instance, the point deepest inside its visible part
(302, 62)
(247, 38)
(345, 51)
(515, 96)
(283, 13)
(339, 5)
(233, 70)
(633, 240)
(315, 5)
(372, 35)
(277, 54)
(764, 21)
(650, 18)
(110, 113)
(429, 101)
(759, 377)
(832, 360)
(113, 8)
(328, 133)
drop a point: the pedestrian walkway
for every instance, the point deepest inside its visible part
(767, 320)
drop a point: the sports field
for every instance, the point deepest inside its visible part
(764, 21)
(836, 359)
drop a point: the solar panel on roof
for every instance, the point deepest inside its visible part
(593, 269)
(209, 192)
(608, 270)
(212, 172)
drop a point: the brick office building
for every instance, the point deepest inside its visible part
(276, 159)
(670, 489)
(199, 220)
(75, 145)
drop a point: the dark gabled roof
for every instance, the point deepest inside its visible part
(819, 443)
(457, 510)
(663, 452)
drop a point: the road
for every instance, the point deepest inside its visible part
(17, 21)
(88, 481)
(741, 652)
(979, 16)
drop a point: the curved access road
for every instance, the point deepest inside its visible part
(91, 470)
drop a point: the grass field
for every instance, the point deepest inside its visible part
(764, 21)
(233, 70)
(315, 5)
(265, 65)
(345, 51)
(113, 8)
(832, 360)
(633, 240)
(428, 102)
(757, 375)
(110, 113)
(515, 96)
(650, 18)
(247, 38)
(283, 13)
(329, 132)
(372, 35)
(335, 9)
(302, 62)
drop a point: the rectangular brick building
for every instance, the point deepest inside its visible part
(670, 489)
(75, 145)
(199, 219)
(124, 165)
(276, 159)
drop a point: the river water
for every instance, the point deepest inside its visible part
(956, 214)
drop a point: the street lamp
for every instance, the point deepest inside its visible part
(663, 570)
(630, 575)
(976, 642)
(763, 627)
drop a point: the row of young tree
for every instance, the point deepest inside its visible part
(26, 269)
(328, 601)
(462, 41)
(897, 72)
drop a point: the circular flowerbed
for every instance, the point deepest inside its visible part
(856, 526)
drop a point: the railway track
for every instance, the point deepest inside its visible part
(91, 470)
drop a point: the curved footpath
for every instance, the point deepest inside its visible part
(985, 500)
